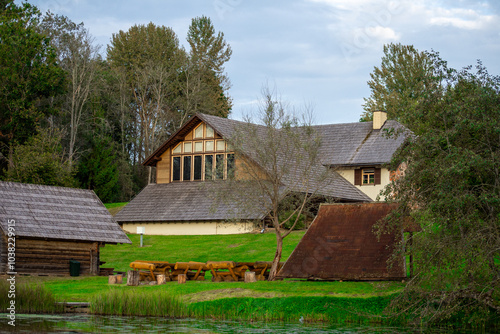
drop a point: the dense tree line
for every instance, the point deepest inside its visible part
(451, 184)
(70, 117)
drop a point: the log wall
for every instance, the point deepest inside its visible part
(52, 257)
(3, 253)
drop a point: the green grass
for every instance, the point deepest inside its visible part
(113, 208)
(29, 298)
(314, 300)
(201, 248)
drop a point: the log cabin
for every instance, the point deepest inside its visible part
(49, 226)
(179, 202)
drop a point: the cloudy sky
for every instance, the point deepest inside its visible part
(315, 52)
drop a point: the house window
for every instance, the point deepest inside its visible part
(198, 132)
(367, 176)
(176, 168)
(197, 167)
(209, 145)
(177, 149)
(209, 162)
(221, 145)
(188, 147)
(198, 146)
(230, 166)
(210, 132)
(219, 166)
(186, 175)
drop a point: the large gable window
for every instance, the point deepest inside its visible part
(202, 157)
(367, 176)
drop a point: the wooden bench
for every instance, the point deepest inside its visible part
(193, 270)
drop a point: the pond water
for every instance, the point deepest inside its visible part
(83, 323)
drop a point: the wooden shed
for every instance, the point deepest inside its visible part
(341, 245)
(52, 226)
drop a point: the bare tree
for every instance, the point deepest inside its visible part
(278, 166)
(78, 56)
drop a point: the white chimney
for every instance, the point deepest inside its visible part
(379, 118)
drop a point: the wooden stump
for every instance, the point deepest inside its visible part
(250, 277)
(181, 278)
(111, 279)
(161, 279)
(119, 279)
(133, 278)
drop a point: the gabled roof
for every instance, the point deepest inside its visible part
(57, 213)
(357, 144)
(348, 144)
(186, 201)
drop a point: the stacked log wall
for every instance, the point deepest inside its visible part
(3, 253)
(52, 257)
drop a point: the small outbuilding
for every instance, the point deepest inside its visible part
(43, 228)
(341, 245)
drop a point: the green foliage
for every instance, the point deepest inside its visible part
(206, 84)
(290, 218)
(29, 298)
(41, 161)
(402, 81)
(29, 74)
(451, 188)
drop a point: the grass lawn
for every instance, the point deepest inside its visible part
(242, 247)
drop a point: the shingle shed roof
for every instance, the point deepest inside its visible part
(57, 213)
(184, 201)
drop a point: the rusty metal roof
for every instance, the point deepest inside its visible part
(340, 245)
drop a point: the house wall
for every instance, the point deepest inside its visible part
(192, 228)
(371, 190)
(243, 169)
(163, 168)
(52, 257)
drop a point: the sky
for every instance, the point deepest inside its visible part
(316, 53)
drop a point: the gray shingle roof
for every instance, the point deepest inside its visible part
(351, 144)
(357, 144)
(57, 213)
(186, 201)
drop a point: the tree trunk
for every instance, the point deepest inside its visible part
(133, 278)
(277, 257)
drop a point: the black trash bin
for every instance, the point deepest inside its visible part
(74, 268)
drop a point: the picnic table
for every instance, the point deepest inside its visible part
(149, 269)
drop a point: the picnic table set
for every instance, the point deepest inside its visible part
(222, 271)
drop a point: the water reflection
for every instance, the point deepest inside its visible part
(83, 323)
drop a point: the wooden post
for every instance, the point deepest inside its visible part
(181, 278)
(111, 279)
(133, 278)
(119, 279)
(161, 279)
(250, 277)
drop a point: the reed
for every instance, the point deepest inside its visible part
(140, 303)
(29, 298)
(287, 309)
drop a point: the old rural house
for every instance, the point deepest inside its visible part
(53, 225)
(181, 203)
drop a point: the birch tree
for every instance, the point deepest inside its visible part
(78, 56)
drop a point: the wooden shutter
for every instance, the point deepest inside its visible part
(378, 179)
(357, 177)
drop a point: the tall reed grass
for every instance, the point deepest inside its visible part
(287, 309)
(29, 298)
(141, 303)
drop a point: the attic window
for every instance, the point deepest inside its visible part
(367, 176)
(210, 132)
(198, 132)
(177, 149)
